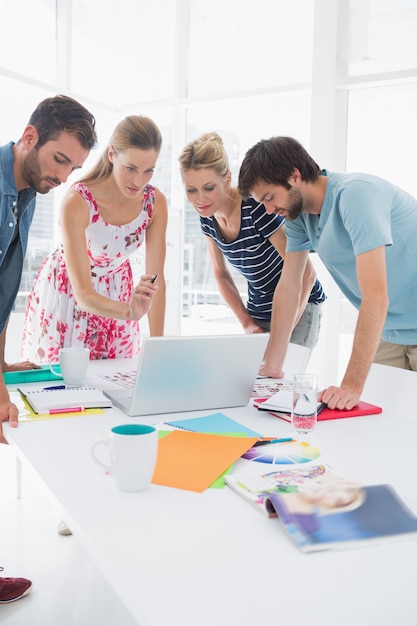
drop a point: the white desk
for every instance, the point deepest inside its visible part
(183, 559)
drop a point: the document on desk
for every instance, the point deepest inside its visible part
(215, 423)
(27, 414)
(330, 520)
(193, 461)
(45, 399)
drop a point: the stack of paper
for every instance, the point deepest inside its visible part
(195, 458)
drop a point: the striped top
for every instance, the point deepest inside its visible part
(253, 255)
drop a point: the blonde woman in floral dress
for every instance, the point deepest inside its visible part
(84, 294)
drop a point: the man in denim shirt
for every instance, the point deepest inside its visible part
(56, 141)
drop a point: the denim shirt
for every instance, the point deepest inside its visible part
(11, 257)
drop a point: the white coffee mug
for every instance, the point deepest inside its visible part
(74, 364)
(133, 451)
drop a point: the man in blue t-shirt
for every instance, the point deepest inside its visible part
(363, 228)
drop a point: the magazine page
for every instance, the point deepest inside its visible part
(342, 515)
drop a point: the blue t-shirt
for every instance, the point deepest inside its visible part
(253, 255)
(362, 212)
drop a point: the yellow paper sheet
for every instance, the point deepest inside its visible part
(26, 414)
(193, 461)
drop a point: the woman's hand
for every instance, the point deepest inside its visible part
(141, 299)
(18, 367)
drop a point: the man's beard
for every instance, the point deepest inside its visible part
(32, 173)
(295, 204)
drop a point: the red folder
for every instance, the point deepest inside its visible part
(363, 408)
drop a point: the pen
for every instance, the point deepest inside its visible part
(321, 406)
(265, 441)
(154, 278)
(67, 409)
(53, 387)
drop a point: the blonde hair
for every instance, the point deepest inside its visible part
(205, 152)
(135, 131)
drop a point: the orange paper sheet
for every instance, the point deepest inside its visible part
(193, 461)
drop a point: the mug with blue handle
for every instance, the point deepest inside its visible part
(132, 453)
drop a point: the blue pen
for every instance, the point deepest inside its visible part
(53, 387)
(265, 441)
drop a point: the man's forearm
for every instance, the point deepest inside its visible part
(309, 278)
(284, 315)
(367, 336)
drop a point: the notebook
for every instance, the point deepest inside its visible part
(323, 413)
(43, 400)
(280, 402)
(176, 374)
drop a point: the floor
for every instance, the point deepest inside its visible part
(67, 588)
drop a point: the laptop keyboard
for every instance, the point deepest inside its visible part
(265, 388)
(262, 388)
(124, 379)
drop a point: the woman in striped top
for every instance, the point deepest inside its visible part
(251, 240)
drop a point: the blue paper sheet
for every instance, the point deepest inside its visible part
(216, 423)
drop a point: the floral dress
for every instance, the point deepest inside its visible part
(53, 318)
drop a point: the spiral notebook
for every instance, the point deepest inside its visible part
(44, 400)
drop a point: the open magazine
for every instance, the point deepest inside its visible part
(256, 489)
(321, 510)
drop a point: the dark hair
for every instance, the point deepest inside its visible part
(63, 114)
(134, 131)
(273, 161)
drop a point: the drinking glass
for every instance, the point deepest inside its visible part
(304, 405)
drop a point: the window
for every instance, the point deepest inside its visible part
(123, 54)
(247, 70)
(240, 46)
(381, 36)
(25, 49)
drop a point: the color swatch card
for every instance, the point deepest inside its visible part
(291, 452)
(193, 461)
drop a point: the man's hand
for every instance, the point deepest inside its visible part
(338, 398)
(8, 412)
(270, 372)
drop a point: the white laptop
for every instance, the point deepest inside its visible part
(178, 374)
